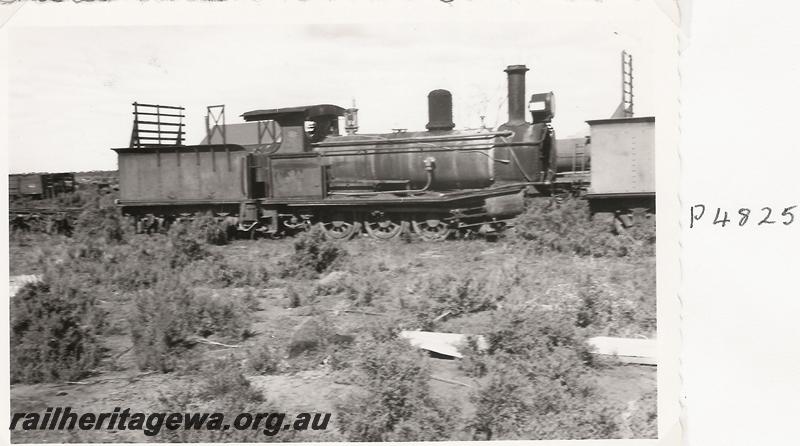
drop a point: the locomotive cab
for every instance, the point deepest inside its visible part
(301, 126)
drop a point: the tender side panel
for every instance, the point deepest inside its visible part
(623, 156)
(136, 175)
(183, 174)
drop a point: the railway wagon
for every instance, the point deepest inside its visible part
(294, 169)
(40, 185)
(613, 168)
(623, 168)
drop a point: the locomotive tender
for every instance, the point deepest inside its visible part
(288, 168)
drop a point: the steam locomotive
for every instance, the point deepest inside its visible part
(286, 169)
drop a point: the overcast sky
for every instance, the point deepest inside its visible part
(71, 87)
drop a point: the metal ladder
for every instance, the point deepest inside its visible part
(627, 84)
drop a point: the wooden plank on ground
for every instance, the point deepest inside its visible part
(442, 343)
(628, 350)
(17, 282)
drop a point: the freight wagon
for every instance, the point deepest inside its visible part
(613, 167)
(623, 170)
(40, 185)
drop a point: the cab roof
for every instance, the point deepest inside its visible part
(308, 112)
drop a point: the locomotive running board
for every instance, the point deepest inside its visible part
(444, 197)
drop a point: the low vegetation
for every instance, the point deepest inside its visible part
(539, 380)
(168, 320)
(219, 386)
(550, 225)
(57, 324)
(55, 331)
(395, 402)
(313, 255)
(323, 318)
(211, 230)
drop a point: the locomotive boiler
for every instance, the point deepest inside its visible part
(285, 169)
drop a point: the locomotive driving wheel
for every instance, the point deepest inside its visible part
(293, 223)
(384, 227)
(431, 229)
(339, 227)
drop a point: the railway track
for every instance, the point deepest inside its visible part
(51, 220)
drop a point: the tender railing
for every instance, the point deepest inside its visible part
(157, 125)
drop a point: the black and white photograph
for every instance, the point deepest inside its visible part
(341, 221)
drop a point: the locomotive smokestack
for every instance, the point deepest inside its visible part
(516, 94)
(440, 110)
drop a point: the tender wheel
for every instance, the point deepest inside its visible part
(432, 230)
(384, 227)
(339, 228)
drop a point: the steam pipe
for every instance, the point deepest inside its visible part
(497, 160)
(429, 166)
(437, 138)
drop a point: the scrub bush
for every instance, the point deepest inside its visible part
(539, 381)
(293, 296)
(313, 335)
(223, 380)
(512, 404)
(395, 401)
(263, 359)
(551, 226)
(167, 320)
(313, 255)
(475, 360)
(360, 288)
(643, 422)
(220, 386)
(100, 222)
(210, 230)
(141, 263)
(616, 309)
(55, 331)
(185, 247)
(462, 293)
